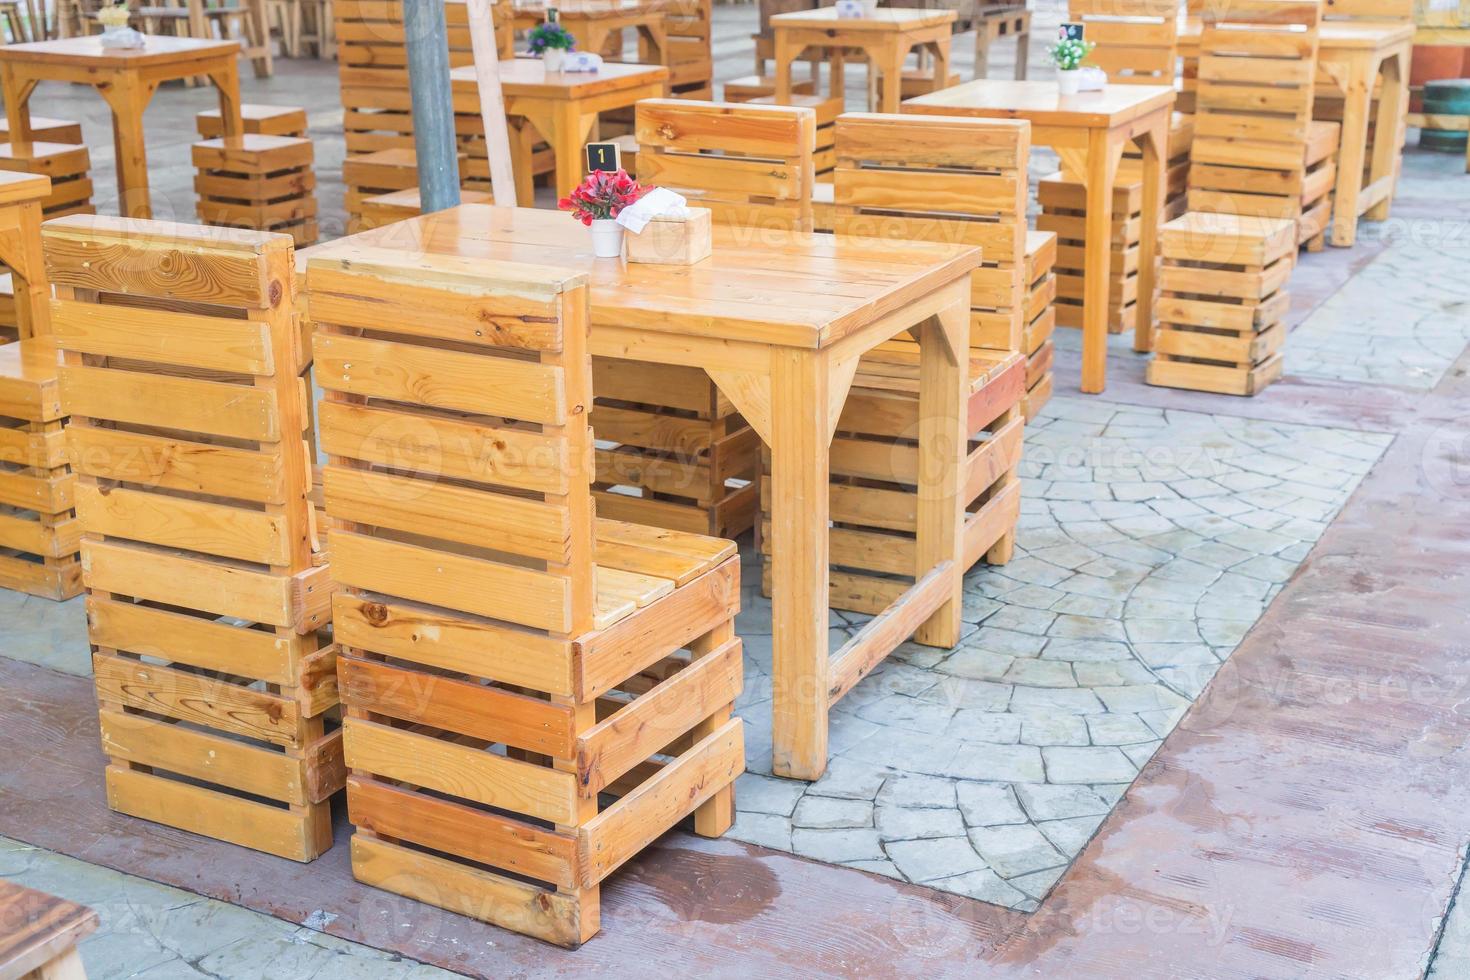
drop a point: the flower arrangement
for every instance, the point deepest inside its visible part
(602, 196)
(550, 37)
(115, 15)
(1069, 53)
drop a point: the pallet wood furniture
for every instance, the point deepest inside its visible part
(778, 321)
(885, 39)
(1040, 319)
(1352, 54)
(255, 119)
(680, 454)
(47, 130)
(560, 109)
(183, 358)
(259, 182)
(688, 28)
(1090, 136)
(598, 25)
(994, 21)
(1257, 149)
(944, 180)
(1224, 302)
(241, 21)
(1064, 212)
(126, 79)
(528, 622)
(39, 934)
(68, 166)
(39, 533)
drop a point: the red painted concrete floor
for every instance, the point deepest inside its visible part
(1306, 818)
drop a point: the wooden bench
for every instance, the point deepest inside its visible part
(183, 358)
(259, 182)
(39, 935)
(1223, 303)
(1040, 319)
(484, 605)
(1257, 150)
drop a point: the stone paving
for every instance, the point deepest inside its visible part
(1151, 541)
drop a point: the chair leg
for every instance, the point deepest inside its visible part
(1023, 49)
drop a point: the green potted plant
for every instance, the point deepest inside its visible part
(1068, 55)
(551, 42)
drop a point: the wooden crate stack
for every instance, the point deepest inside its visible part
(1257, 150)
(1040, 319)
(1064, 212)
(1224, 300)
(67, 165)
(891, 171)
(207, 587)
(688, 27)
(258, 181)
(509, 661)
(39, 534)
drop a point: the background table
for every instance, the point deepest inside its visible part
(562, 107)
(127, 79)
(886, 38)
(1352, 54)
(593, 22)
(779, 320)
(1089, 132)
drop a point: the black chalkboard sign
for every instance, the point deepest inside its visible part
(604, 156)
(1071, 32)
(552, 15)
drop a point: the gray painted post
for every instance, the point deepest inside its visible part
(433, 107)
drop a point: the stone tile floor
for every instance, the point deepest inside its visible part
(1150, 543)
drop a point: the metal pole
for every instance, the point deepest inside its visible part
(433, 106)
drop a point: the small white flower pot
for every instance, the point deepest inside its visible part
(1069, 82)
(554, 59)
(607, 238)
(870, 7)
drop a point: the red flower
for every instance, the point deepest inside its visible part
(602, 195)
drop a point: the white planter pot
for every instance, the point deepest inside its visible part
(607, 238)
(1069, 82)
(554, 59)
(870, 7)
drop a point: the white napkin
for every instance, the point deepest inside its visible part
(582, 61)
(657, 203)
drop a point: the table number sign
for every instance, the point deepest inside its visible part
(1072, 32)
(606, 157)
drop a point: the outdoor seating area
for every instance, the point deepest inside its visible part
(487, 484)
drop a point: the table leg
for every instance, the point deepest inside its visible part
(800, 443)
(943, 444)
(17, 107)
(1103, 154)
(784, 56)
(657, 39)
(889, 60)
(1393, 103)
(1155, 145)
(568, 138)
(522, 142)
(226, 79)
(1358, 89)
(940, 49)
(128, 96)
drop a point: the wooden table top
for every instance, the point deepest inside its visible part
(88, 51)
(882, 19)
(1042, 104)
(36, 927)
(529, 77)
(766, 286)
(593, 9)
(1343, 34)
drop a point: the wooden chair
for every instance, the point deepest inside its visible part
(484, 605)
(39, 533)
(943, 179)
(1040, 320)
(259, 182)
(182, 370)
(688, 27)
(1064, 212)
(1257, 150)
(68, 166)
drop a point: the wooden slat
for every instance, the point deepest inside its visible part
(212, 407)
(167, 337)
(176, 464)
(205, 643)
(176, 522)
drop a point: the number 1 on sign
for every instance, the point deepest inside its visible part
(604, 156)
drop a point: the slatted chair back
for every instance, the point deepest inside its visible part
(1258, 61)
(182, 371)
(1137, 40)
(1369, 10)
(751, 165)
(455, 424)
(944, 179)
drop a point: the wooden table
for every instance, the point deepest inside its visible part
(561, 106)
(1089, 131)
(39, 934)
(593, 22)
(886, 38)
(779, 320)
(1352, 54)
(127, 80)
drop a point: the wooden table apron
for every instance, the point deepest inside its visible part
(1094, 148)
(127, 89)
(790, 382)
(886, 43)
(593, 28)
(564, 119)
(1352, 55)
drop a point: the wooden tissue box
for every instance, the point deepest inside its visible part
(672, 241)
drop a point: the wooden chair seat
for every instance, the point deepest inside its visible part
(748, 87)
(268, 120)
(637, 564)
(1323, 139)
(67, 165)
(28, 387)
(47, 130)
